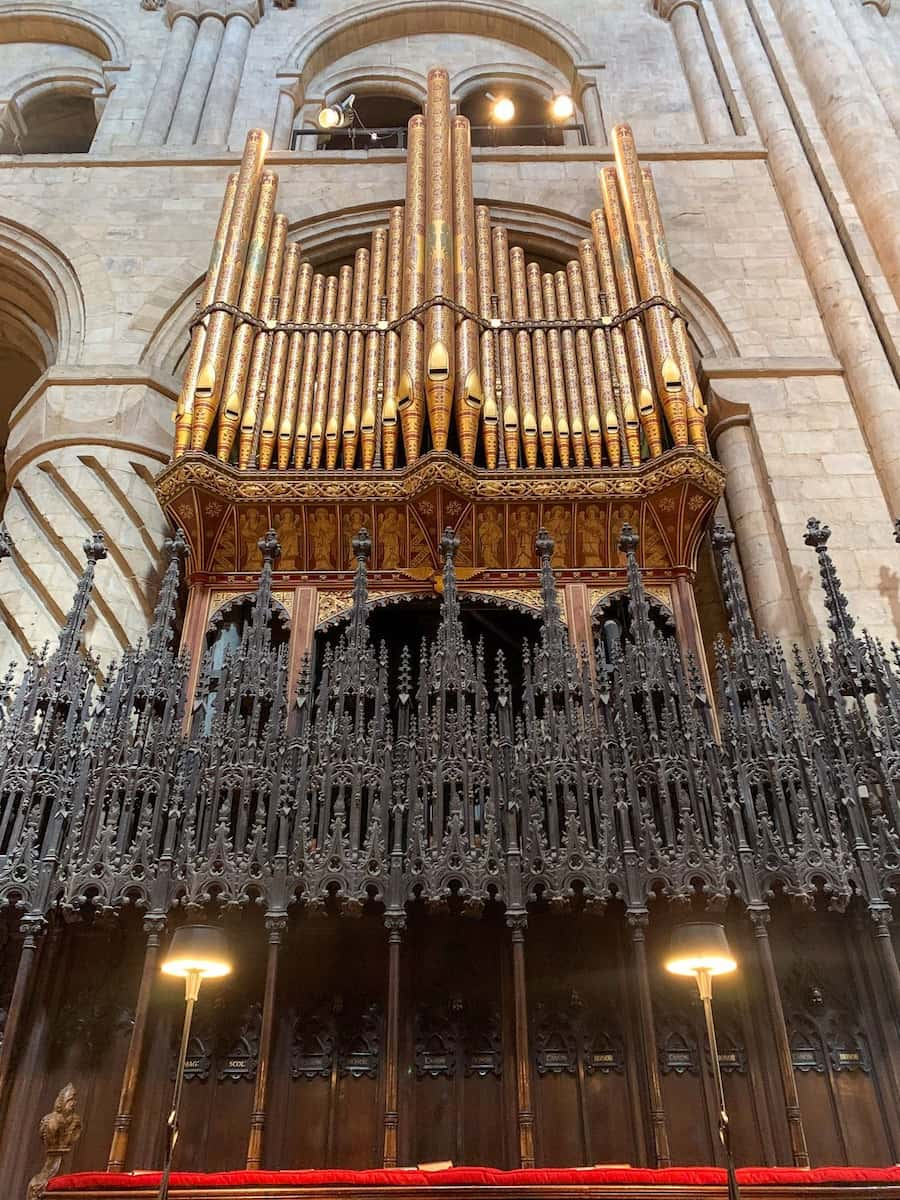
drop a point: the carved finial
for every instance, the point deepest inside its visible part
(740, 623)
(628, 540)
(449, 545)
(544, 546)
(60, 1130)
(896, 530)
(359, 629)
(5, 541)
(70, 634)
(161, 631)
(362, 545)
(554, 639)
(270, 547)
(639, 609)
(839, 620)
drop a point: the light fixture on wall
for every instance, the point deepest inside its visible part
(502, 109)
(700, 949)
(336, 116)
(562, 107)
(196, 952)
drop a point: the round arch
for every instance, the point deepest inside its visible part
(21, 21)
(367, 24)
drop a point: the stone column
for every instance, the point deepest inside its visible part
(186, 121)
(284, 121)
(871, 39)
(177, 55)
(855, 127)
(592, 114)
(223, 91)
(706, 92)
(767, 577)
(872, 386)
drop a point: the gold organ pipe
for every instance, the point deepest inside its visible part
(254, 392)
(548, 417)
(509, 391)
(307, 384)
(609, 301)
(184, 412)
(658, 320)
(280, 411)
(635, 339)
(524, 366)
(323, 372)
(570, 368)
(696, 406)
(469, 395)
(392, 341)
(557, 374)
(410, 400)
(241, 344)
(353, 399)
(338, 369)
(371, 378)
(439, 334)
(490, 413)
(585, 364)
(208, 390)
(605, 379)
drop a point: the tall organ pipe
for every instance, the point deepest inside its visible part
(335, 412)
(184, 413)
(524, 365)
(371, 378)
(210, 379)
(410, 399)
(353, 400)
(696, 407)
(558, 378)
(606, 383)
(548, 414)
(489, 367)
(242, 342)
(585, 364)
(510, 397)
(307, 383)
(570, 368)
(389, 426)
(323, 373)
(469, 396)
(439, 335)
(254, 391)
(280, 412)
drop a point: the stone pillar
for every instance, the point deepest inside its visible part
(186, 121)
(592, 114)
(284, 121)
(223, 91)
(177, 55)
(706, 92)
(767, 577)
(855, 127)
(872, 386)
(871, 39)
(68, 479)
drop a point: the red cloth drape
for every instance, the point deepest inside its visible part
(478, 1176)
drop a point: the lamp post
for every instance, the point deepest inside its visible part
(196, 952)
(700, 949)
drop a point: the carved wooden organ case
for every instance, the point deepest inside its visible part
(441, 380)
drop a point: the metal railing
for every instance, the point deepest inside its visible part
(393, 137)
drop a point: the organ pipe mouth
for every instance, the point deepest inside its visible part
(206, 382)
(671, 375)
(438, 363)
(404, 391)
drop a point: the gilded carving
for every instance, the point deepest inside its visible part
(254, 524)
(322, 538)
(522, 524)
(558, 523)
(289, 528)
(490, 537)
(592, 529)
(391, 538)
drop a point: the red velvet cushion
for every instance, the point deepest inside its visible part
(477, 1176)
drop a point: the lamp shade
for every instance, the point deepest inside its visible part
(699, 946)
(198, 950)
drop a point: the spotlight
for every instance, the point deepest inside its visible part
(502, 109)
(336, 116)
(562, 107)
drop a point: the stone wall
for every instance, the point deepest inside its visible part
(786, 262)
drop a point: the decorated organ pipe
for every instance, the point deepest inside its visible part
(439, 333)
(389, 419)
(210, 380)
(354, 384)
(439, 319)
(410, 394)
(468, 393)
(255, 389)
(184, 413)
(242, 342)
(490, 416)
(373, 356)
(670, 383)
(696, 406)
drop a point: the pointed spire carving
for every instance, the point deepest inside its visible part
(71, 633)
(740, 623)
(450, 637)
(162, 631)
(554, 636)
(259, 635)
(358, 632)
(5, 541)
(839, 620)
(639, 608)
